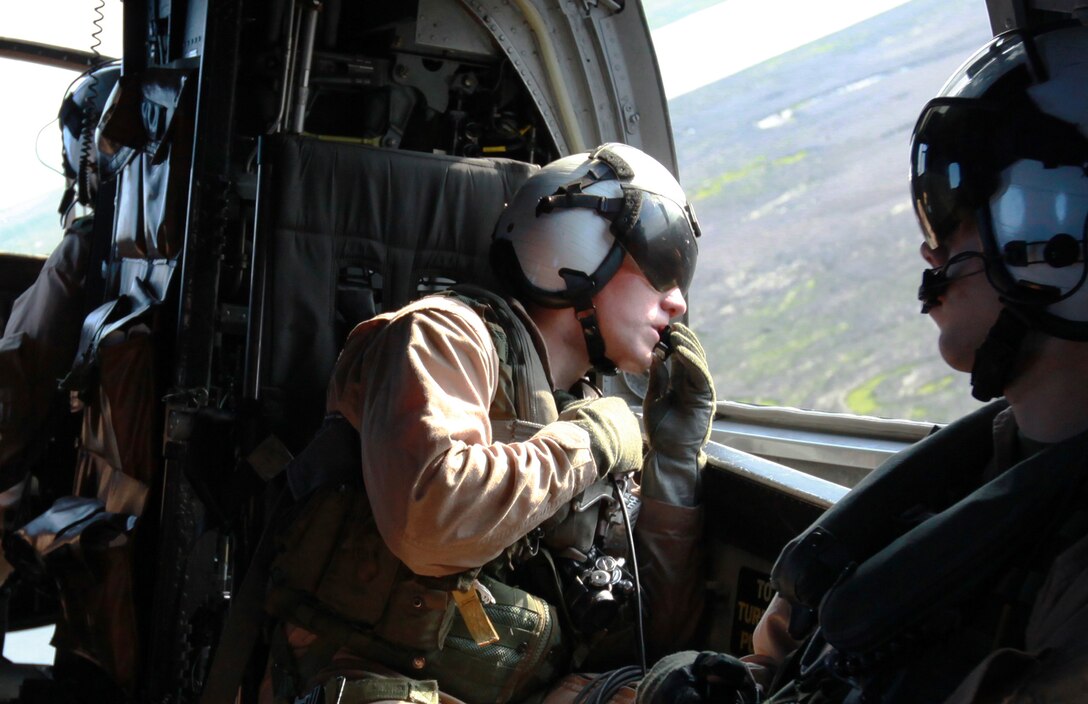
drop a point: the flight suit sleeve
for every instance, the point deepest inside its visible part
(446, 497)
(40, 340)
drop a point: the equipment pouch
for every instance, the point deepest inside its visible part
(335, 577)
(528, 657)
(417, 616)
(332, 566)
(88, 551)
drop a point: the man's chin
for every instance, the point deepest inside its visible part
(957, 359)
(640, 366)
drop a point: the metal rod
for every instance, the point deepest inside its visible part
(288, 82)
(258, 286)
(305, 61)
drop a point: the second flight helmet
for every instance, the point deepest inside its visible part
(568, 228)
(80, 110)
(1005, 145)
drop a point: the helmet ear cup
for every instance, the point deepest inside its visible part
(1062, 250)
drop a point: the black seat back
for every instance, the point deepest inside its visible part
(347, 231)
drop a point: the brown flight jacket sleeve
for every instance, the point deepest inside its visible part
(417, 384)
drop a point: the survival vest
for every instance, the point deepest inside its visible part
(912, 576)
(481, 638)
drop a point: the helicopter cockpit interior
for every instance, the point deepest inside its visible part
(285, 170)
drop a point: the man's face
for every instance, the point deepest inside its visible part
(967, 310)
(631, 314)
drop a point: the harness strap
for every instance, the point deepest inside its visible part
(244, 619)
(996, 358)
(582, 287)
(532, 399)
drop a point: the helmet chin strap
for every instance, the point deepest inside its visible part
(586, 314)
(996, 358)
(591, 331)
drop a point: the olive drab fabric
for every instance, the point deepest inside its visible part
(691, 677)
(678, 410)
(335, 578)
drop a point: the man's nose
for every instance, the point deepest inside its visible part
(674, 303)
(934, 257)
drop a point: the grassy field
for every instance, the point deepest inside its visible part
(809, 267)
(32, 228)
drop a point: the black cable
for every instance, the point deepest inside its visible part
(87, 164)
(634, 571)
(617, 680)
(583, 696)
(602, 687)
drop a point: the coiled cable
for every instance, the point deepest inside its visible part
(88, 167)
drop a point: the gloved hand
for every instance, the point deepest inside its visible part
(614, 433)
(678, 410)
(691, 677)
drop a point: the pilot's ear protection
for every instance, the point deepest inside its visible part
(1061, 250)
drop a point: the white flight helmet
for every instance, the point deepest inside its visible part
(1006, 142)
(568, 228)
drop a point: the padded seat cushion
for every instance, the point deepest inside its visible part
(336, 213)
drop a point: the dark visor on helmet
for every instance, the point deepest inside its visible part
(948, 163)
(660, 235)
(961, 146)
(983, 122)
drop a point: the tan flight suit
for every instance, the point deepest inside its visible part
(418, 384)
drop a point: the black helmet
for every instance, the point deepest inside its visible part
(1005, 143)
(79, 114)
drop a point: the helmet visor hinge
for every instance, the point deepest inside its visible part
(606, 207)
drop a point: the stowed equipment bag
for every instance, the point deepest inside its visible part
(334, 576)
